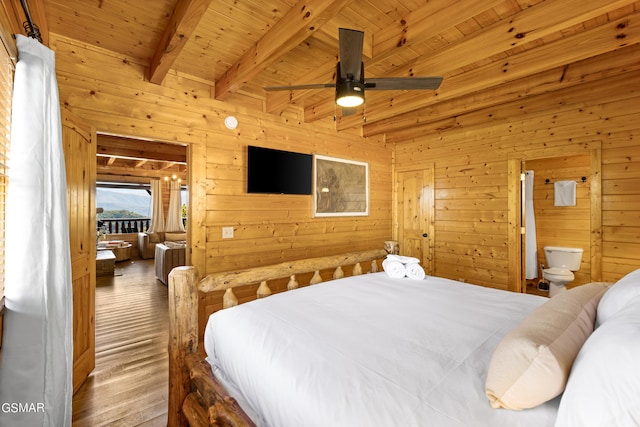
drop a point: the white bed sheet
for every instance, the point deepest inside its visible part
(370, 351)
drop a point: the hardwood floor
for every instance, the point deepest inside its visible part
(129, 386)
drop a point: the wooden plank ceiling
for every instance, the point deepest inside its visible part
(242, 46)
(136, 161)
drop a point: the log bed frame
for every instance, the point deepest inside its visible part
(196, 398)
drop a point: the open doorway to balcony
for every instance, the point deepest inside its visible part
(125, 169)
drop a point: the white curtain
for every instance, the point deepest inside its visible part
(37, 355)
(174, 214)
(157, 212)
(530, 230)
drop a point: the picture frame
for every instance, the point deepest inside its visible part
(340, 187)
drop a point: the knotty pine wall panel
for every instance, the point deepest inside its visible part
(110, 92)
(471, 156)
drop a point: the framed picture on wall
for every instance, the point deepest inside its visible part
(341, 187)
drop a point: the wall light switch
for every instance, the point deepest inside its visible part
(227, 232)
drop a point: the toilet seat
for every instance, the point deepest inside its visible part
(558, 271)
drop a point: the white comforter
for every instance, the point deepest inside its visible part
(370, 351)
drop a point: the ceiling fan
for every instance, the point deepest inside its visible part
(350, 83)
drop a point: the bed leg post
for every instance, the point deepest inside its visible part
(183, 337)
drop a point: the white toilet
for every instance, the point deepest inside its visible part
(561, 262)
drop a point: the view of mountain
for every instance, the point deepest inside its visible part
(115, 199)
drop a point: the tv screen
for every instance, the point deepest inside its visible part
(278, 172)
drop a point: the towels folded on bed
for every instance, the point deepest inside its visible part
(399, 267)
(403, 259)
(394, 269)
(415, 271)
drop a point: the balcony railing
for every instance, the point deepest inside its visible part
(124, 225)
(127, 225)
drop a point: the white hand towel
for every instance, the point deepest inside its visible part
(403, 259)
(394, 269)
(415, 272)
(564, 193)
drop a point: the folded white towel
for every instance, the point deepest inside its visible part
(403, 259)
(564, 193)
(394, 269)
(415, 272)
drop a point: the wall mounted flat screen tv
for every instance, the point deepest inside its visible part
(278, 172)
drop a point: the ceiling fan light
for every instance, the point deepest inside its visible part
(349, 94)
(349, 101)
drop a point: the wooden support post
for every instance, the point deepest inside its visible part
(338, 274)
(183, 337)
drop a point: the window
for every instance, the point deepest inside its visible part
(7, 68)
(123, 208)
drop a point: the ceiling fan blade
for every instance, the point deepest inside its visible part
(403, 83)
(302, 87)
(351, 42)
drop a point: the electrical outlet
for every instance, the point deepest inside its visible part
(227, 232)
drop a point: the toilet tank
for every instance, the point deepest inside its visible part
(560, 257)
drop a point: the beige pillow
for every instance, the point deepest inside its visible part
(531, 364)
(154, 237)
(175, 236)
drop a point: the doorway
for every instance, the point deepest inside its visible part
(125, 168)
(556, 163)
(415, 216)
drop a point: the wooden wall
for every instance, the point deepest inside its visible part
(110, 92)
(471, 152)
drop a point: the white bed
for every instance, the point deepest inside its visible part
(370, 351)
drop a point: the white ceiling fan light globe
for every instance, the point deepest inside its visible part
(350, 101)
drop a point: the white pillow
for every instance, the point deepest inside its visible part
(618, 296)
(604, 384)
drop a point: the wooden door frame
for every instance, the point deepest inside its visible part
(514, 196)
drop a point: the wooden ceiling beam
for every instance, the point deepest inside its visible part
(529, 25)
(595, 41)
(302, 20)
(140, 149)
(526, 24)
(427, 21)
(618, 64)
(122, 172)
(183, 22)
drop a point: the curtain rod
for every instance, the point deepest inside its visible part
(30, 28)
